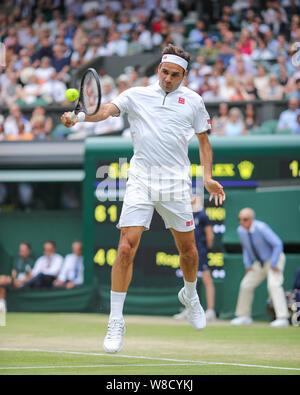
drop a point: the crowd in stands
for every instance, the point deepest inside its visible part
(251, 51)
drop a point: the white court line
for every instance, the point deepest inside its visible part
(150, 358)
(94, 366)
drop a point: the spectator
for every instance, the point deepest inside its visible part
(288, 118)
(2, 135)
(14, 121)
(31, 92)
(250, 118)
(297, 129)
(96, 48)
(26, 71)
(295, 92)
(44, 71)
(251, 92)
(116, 45)
(12, 93)
(21, 272)
(219, 121)
(124, 27)
(135, 46)
(54, 90)
(261, 80)
(228, 89)
(77, 57)
(213, 94)
(48, 120)
(274, 91)
(261, 52)
(38, 127)
(263, 257)
(71, 273)
(122, 83)
(145, 37)
(59, 61)
(225, 54)
(281, 61)
(196, 35)
(46, 268)
(22, 135)
(45, 50)
(209, 50)
(235, 126)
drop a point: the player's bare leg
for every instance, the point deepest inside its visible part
(185, 242)
(123, 266)
(120, 280)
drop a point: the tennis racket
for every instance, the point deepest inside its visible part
(89, 96)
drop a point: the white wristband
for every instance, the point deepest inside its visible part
(81, 116)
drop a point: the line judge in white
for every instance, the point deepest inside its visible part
(163, 119)
(46, 268)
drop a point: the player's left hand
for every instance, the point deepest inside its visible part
(215, 190)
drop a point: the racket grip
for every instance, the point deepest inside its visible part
(73, 116)
(80, 116)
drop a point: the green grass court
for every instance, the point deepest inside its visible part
(71, 344)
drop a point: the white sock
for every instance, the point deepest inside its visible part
(190, 289)
(2, 304)
(117, 300)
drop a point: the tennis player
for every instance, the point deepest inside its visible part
(163, 119)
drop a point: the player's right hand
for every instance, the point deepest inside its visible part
(65, 119)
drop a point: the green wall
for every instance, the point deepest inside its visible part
(36, 227)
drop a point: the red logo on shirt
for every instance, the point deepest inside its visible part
(189, 223)
(181, 100)
(209, 121)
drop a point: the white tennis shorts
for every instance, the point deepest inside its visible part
(140, 202)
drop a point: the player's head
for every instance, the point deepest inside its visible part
(173, 68)
(246, 217)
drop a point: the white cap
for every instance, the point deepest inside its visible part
(168, 58)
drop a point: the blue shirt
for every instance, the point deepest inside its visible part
(288, 120)
(201, 221)
(267, 244)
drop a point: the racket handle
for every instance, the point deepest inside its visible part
(80, 116)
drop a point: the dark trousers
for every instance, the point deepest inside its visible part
(40, 281)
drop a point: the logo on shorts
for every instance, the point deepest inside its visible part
(181, 100)
(189, 223)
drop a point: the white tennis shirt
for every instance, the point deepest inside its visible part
(162, 125)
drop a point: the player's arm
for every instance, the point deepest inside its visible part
(209, 234)
(206, 157)
(105, 111)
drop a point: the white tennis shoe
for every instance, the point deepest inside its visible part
(241, 321)
(194, 311)
(113, 341)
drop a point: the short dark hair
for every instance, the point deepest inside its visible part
(51, 242)
(172, 50)
(28, 245)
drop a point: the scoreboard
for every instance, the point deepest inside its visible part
(242, 162)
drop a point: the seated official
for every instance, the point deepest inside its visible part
(46, 268)
(71, 273)
(21, 272)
